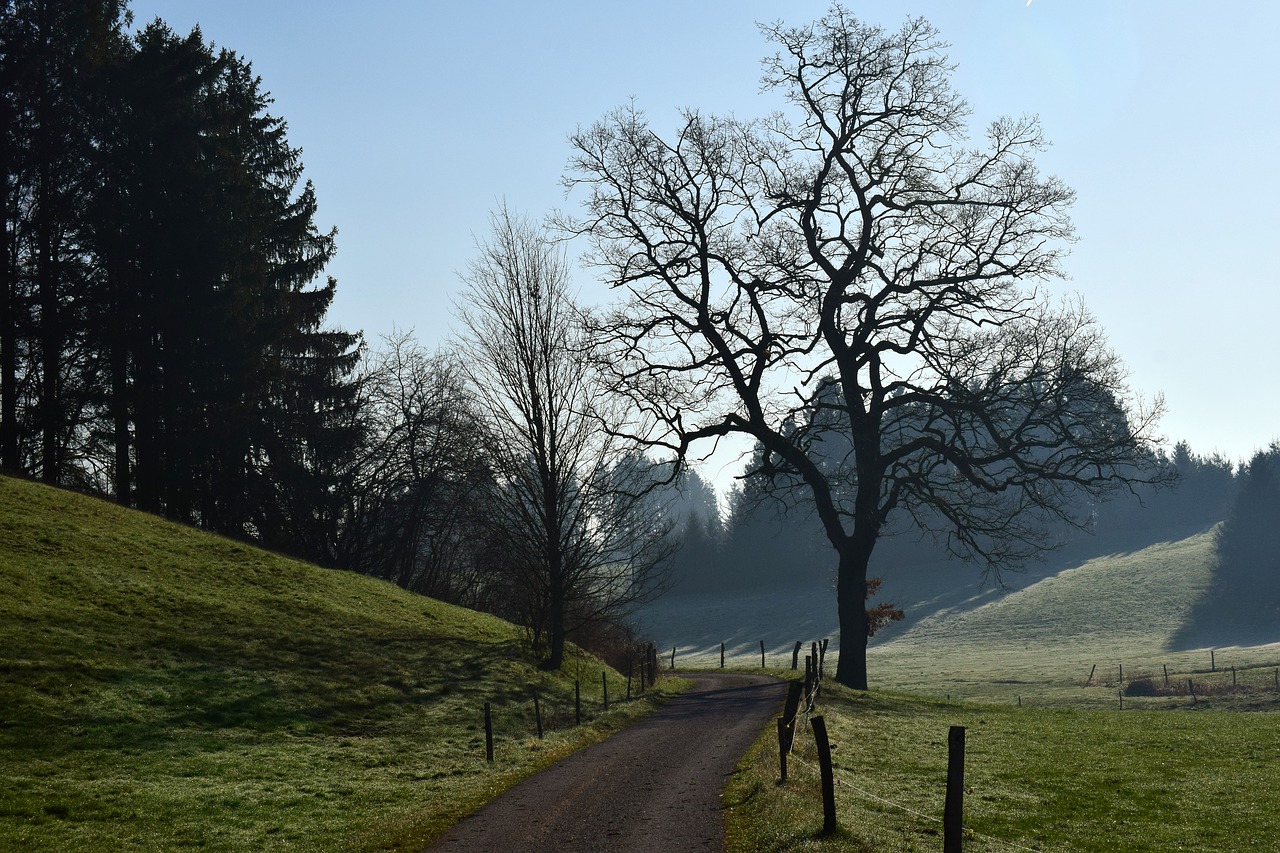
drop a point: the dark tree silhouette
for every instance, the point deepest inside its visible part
(162, 340)
(860, 237)
(418, 495)
(581, 535)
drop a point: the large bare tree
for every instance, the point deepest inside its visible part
(583, 537)
(854, 285)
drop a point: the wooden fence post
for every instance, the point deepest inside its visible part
(537, 713)
(577, 702)
(604, 686)
(1091, 669)
(488, 734)
(828, 776)
(822, 659)
(784, 746)
(1166, 674)
(790, 709)
(673, 658)
(1213, 663)
(762, 654)
(953, 809)
(795, 655)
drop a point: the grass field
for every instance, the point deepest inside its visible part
(1060, 753)
(1039, 779)
(1037, 642)
(161, 688)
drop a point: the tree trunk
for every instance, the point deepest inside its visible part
(120, 419)
(8, 339)
(851, 600)
(555, 627)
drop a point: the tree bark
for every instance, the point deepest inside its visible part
(851, 602)
(8, 337)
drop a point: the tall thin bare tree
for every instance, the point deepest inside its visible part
(583, 538)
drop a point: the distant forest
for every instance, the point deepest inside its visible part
(163, 343)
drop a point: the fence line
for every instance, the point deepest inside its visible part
(800, 718)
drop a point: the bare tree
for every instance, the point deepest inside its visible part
(851, 269)
(583, 539)
(415, 498)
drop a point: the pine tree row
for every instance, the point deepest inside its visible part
(162, 338)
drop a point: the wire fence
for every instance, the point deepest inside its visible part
(798, 717)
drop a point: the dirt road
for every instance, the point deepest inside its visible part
(651, 788)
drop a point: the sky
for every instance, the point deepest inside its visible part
(417, 118)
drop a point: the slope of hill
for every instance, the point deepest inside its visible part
(165, 688)
(1041, 634)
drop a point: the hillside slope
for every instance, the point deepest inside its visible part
(1049, 626)
(166, 688)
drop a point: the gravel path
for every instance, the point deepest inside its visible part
(653, 787)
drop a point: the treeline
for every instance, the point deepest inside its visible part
(770, 538)
(163, 338)
(1242, 606)
(164, 343)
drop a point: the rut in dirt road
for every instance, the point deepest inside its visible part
(654, 786)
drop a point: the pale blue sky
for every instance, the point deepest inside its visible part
(417, 118)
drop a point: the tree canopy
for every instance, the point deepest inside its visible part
(163, 337)
(851, 270)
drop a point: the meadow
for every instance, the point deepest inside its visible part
(1073, 741)
(162, 688)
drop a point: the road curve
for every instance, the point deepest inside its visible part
(653, 787)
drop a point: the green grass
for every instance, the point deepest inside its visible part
(162, 688)
(1044, 779)
(1038, 642)
(1053, 762)
(1042, 642)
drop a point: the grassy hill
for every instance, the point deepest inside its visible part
(163, 688)
(1038, 638)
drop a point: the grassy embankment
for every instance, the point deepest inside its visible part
(1068, 770)
(161, 688)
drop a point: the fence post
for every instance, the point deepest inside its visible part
(628, 684)
(822, 659)
(1233, 676)
(789, 710)
(673, 658)
(828, 777)
(1122, 673)
(784, 747)
(577, 702)
(953, 809)
(488, 734)
(795, 655)
(762, 654)
(1213, 663)
(604, 685)
(1166, 674)
(1091, 669)
(1192, 687)
(537, 713)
